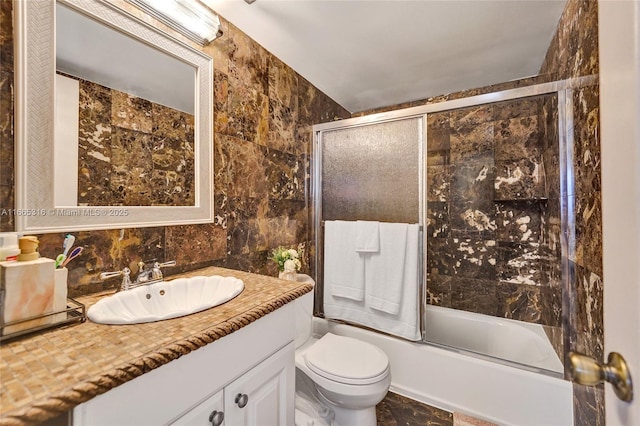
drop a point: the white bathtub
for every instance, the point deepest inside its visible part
(461, 383)
(516, 341)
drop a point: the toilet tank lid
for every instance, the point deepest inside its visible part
(345, 357)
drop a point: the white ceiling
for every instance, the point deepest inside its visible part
(367, 54)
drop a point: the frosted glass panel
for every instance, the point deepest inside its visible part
(372, 172)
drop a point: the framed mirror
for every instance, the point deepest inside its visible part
(113, 121)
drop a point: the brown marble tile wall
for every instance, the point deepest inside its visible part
(486, 204)
(573, 53)
(7, 193)
(263, 116)
(131, 151)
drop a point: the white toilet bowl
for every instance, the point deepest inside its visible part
(351, 377)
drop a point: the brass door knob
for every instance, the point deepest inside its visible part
(587, 371)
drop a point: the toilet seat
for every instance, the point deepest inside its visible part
(346, 360)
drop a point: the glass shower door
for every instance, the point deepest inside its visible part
(493, 231)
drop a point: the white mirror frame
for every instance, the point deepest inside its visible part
(35, 66)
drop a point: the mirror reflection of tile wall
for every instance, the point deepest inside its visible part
(493, 210)
(131, 151)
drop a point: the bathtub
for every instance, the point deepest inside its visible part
(516, 341)
(460, 383)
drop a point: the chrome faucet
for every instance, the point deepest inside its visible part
(154, 274)
(145, 275)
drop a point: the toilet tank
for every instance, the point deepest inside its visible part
(304, 313)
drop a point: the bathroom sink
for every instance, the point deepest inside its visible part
(165, 300)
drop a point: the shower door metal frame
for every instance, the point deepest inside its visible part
(563, 89)
(316, 192)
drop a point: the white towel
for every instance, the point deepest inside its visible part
(367, 237)
(406, 323)
(384, 271)
(343, 266)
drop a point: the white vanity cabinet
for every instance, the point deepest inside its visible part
(261, 396)
(256, 361)
(210, 412)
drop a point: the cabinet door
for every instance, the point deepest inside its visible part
(209, 412)
(264, 396)
(168, 392)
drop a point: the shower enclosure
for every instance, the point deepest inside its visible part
(487, 178)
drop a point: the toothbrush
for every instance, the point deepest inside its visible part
(66, 246)
(74, 253)
(60, 260)
(67, 243)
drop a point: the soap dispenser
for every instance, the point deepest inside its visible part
(28, 248)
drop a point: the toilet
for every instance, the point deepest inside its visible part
(348, 376)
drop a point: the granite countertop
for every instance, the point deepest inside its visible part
(50, 373)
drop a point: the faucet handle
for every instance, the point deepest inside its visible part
(156, 274)
(126, 279)
(107, 275)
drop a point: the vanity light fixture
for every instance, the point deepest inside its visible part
(190, 18)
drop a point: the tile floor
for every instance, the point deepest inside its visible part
(396, 410)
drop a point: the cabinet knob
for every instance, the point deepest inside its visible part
(242, 399)
(216, 418)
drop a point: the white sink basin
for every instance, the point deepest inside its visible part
(164, 300)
